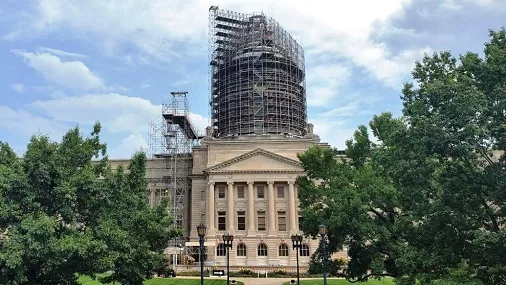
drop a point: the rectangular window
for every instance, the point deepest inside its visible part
(260, 192)
(281, 191)
(240, 192)
(202, 195)
(282, 221)
(261, 220)
(222, 221)
(241, 220)
(221, 192)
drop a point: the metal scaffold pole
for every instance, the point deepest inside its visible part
(171, 139)
(256, 76)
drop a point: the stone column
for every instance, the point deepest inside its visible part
(152, 197)
(251, 209)
(272, 209)
(291, 207)
(231, 208)
(210, 204)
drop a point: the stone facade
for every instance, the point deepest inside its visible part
(246, 187)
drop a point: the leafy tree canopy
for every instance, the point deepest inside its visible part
(425, 198)
(62, 214)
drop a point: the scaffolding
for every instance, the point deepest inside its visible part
(171, 138)
(257, 76)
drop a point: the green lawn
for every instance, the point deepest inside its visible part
(387, 281)
(172, 281)
(85, 280)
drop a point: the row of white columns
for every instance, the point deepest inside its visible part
(271, 203)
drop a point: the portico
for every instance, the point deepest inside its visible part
(277, 201)
(248, 189)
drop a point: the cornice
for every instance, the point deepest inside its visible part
(258, 151)
(257, 171)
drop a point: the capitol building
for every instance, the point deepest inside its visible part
(239, 177)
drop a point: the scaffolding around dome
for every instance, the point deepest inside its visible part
(257, 76)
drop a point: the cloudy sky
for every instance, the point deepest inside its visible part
(65, 63)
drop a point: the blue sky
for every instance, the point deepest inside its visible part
(67, 63)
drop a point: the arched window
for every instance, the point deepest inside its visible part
(304, 250)
(220, 250)
(241, 249)
(262, 249)
(283, 250)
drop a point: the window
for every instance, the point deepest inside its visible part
(221, 192)
(222, 224)
(304, 250)
(240, 192)
(261, 220)
(241, 220)
(241, 249)
(262, 249)
(283, 250)
(281, 191)
(260, 192)
(282, 221)
(221, 250)
(202, 195)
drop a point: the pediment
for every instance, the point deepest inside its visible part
(258, 160)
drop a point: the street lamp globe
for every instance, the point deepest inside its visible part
(322, 229)
(228, 238)
(201, 230)
(296, 240)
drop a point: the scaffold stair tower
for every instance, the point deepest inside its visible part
(171, 138)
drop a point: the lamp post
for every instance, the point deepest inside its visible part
(227, 240)
(296, 243)
(180, 256)
(201, 231)
(323, 236)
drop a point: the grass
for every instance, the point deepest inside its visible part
(386, 281)
(86, 280)
(159, 281)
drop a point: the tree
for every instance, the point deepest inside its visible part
(62, 214)
(429, 195)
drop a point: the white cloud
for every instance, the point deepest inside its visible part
(488, 3)
(118, 113)
(157, 26)
(181, 82)
(121, 117)
(175, 29)
(25, 123)
(18, 87)
(332, 131)
(451, 5)
(61, 53)
(199, 122)
(69, 74)
(325, 82)
(343, 110)
(128, 146)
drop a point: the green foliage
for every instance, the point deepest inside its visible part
(334, 267)
(62, 213)
(428, 196)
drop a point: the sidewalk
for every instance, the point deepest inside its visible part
(252, 281)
